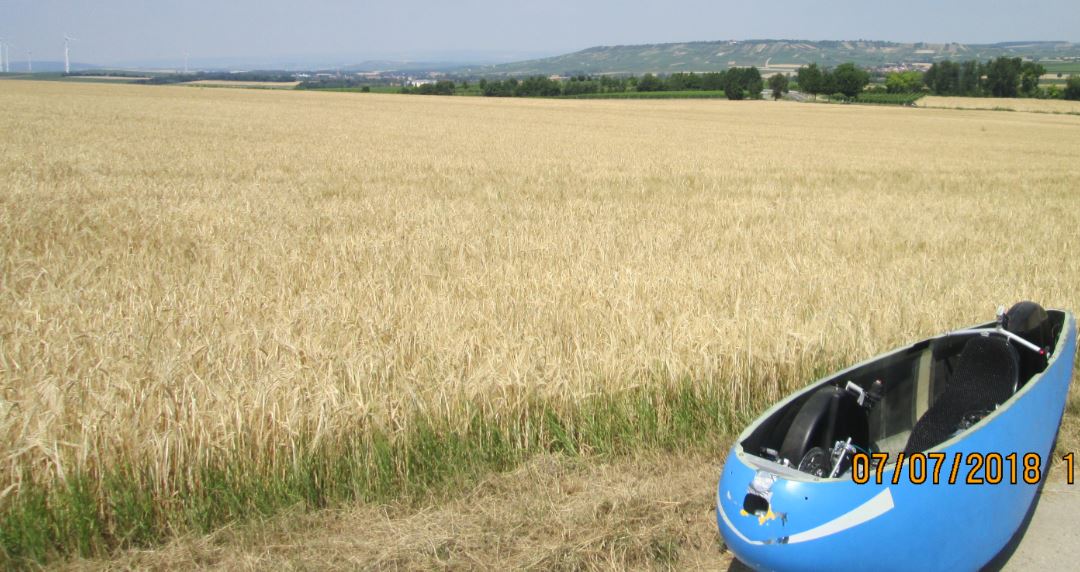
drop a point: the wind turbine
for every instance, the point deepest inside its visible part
(5, 55)
(67, 50)
(29, 61)
(185, 63)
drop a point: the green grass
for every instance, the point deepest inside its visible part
(1064, 68)
(371, 89)
(58, 76)
(888, 98)
(38, 76)
(698, 94)
(474, 90)
(95, 515)
(83, 79)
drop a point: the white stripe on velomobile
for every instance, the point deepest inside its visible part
(869, 510)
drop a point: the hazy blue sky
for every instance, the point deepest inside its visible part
(119, 31)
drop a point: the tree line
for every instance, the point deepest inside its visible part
(999, 77)
(735, 83)
(847, 80)
(259, 76)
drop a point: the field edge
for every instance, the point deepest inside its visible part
(125, 506)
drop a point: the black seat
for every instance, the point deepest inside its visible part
(985, 376)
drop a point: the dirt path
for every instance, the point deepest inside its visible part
(553, 513)
(1050, 540)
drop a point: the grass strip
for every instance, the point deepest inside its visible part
(689, 94)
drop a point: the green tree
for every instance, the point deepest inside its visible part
(778, 83)
(441, 87)
(904, 82)
(1003, 76)
(609, 84)
(649, 82)
(1029, 78)
(970, 78)
(498, 88)
(828, 82)
(683, 81)
(810, 79)
(580, 85)
(733, 85)
(850, 80)
(713, 81)
(538, 86)
(1072, 88)
(752, 82)
(943, 78)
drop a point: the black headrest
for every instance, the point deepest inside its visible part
(1029, 321)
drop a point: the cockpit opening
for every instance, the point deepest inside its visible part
(910, 400)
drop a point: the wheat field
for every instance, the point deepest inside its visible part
(241, 279)
(1002, 104)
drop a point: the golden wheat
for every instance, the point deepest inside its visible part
(1001, 103)
(185, 272)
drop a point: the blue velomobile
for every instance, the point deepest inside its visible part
(979, 407)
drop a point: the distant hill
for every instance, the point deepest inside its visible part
(776, 55)
(399, 65)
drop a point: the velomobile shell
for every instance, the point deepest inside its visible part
(836, 524)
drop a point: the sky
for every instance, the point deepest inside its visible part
(118, 32)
